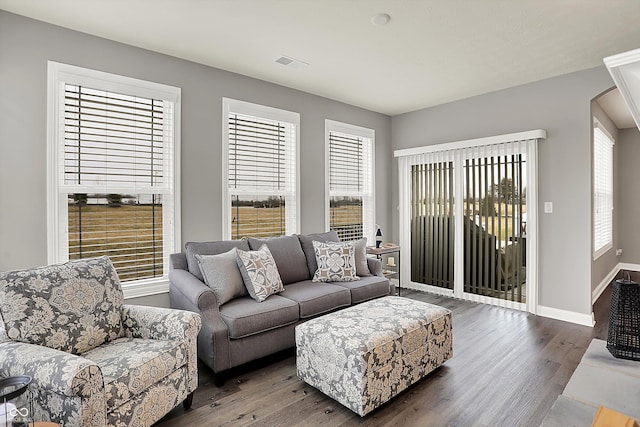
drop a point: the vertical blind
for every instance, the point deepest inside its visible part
(432, 222)
(116, 173)
(602, 191)
(261, 177)
(486, 185)
(350, 185)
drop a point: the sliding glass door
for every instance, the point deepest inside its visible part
(495, 227)
(468, 220)
(432, 224)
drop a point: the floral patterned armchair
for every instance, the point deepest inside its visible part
(93, 360)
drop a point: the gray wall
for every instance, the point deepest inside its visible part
(628, 176)
(562, 106)
(26, 46)
(602, 266)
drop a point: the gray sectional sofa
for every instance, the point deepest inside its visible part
(241, 329)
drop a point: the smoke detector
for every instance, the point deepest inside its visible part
(381, 19)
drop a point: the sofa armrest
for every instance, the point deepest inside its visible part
(375, 266)
(159, 323)
(54, 370)
(187, 292)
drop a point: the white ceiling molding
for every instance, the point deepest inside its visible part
(625, 70)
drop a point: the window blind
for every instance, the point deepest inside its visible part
(261, 176)
(602, 191)
(350, 185)
(115, 170)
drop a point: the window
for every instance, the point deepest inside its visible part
(113, 146)
(260, 152)
(602, 190)
(350, 202)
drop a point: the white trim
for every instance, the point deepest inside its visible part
(567, 316)
(145, 288)
(265, 112)
(597, 292)
(59, 74)
(623, 69)
(430, 289)
(368, 230)
(476, 142)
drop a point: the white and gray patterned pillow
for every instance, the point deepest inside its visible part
(336, 262)
(260, 273)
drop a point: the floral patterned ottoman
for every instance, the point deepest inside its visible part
(364, 355)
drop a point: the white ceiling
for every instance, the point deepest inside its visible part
(431, 52)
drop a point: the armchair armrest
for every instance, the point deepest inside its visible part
(54, 370)
(159, 323)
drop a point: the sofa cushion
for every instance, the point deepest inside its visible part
(306, 241)
(336, 262)
(288, 254)
(222, 275)
(367, 288)
(260, 273)
(72, 307)
(317, 298)
(245, 316)
(131, 365)
(210, 248)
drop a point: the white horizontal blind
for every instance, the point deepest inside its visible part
(261, 156)
(351, 210)
(602, 192)
(115, 169)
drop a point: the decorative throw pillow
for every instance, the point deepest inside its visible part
(336, 262)
(222, 275)
(260, 273)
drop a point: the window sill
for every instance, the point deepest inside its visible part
(597, 254)
(145, 288)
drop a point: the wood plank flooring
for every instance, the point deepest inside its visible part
(508, 369)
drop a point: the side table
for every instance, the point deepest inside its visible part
(623, 338)
(390, 266)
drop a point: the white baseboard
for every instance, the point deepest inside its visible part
(609, 278)
(566, 316)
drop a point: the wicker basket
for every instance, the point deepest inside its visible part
(623, 339)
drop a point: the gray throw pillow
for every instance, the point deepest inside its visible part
(336, 262)
(209, 248)
(360, 251)
(222, 275)
(260, 273)
(288, 255)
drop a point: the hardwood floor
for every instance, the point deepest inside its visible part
(507, 370)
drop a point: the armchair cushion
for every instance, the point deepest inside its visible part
(72, 307)
(132, 365)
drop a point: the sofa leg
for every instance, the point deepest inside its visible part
(218, 379)
(186, 403)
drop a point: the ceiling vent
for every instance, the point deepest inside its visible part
(291, 62)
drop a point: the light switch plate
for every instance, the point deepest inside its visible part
(548, 207)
